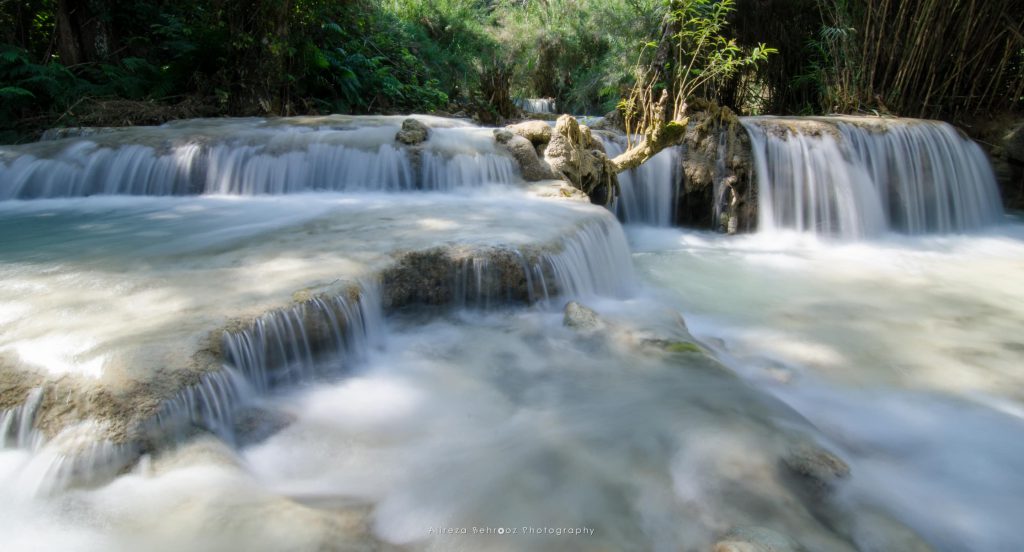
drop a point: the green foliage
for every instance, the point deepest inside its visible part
(694, 56)
(579, 52)
(24, 85)
(703, 55)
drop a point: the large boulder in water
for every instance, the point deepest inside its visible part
(537, 132)
(531, 166)
(574, 155)
(581, 318)
(413, 132)
(718, 158)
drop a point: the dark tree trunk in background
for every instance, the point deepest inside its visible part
(82, 36)
(259, 55)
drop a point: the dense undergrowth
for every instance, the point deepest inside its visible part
(95, 62)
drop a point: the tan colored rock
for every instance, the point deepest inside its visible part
(532, 168)
(537, 132)
(570, 154)
(581, 318)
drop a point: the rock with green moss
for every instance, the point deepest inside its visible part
(817, 470)
(413, 132)
(683, 347)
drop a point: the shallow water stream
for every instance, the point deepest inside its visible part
(665, 424)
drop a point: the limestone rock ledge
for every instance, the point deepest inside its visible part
(194, 369)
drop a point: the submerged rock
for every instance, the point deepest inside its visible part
(413, 132)
(818, 470)
(756, 539)
(877, 532)
(77, 132)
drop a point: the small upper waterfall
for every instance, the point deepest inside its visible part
(536, 105)
(855, 177)
(648, 192)
(256, 156)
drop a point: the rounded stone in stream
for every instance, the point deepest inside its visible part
(579, 317)
(537, 132)
(413, 132)
(756, 539)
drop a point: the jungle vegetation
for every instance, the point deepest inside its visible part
(107, 62)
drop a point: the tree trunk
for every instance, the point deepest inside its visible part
(659, 136)
(81, 36)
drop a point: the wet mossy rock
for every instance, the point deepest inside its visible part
(718, 150)
(683, 347)
(413, 132)
(815, 469)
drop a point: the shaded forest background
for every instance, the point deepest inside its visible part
(117, 62)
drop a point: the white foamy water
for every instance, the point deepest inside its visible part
(861, 177)
(536, 105)
(902, 355)
(97, 277)
(647, 194)
(257, 157)
(905, 352)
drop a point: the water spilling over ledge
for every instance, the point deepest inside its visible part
(536, 105)
(157, 372)
(647, 193)
(256, 156)
(858, 176)
(315, 369)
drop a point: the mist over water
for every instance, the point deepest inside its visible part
(904, 352)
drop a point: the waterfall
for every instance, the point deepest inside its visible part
(253, 157)
(648, 192)
(17, 429)
(536, 105)
(856, 177)
(291, 345)
(210, 404)
(594, 260)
